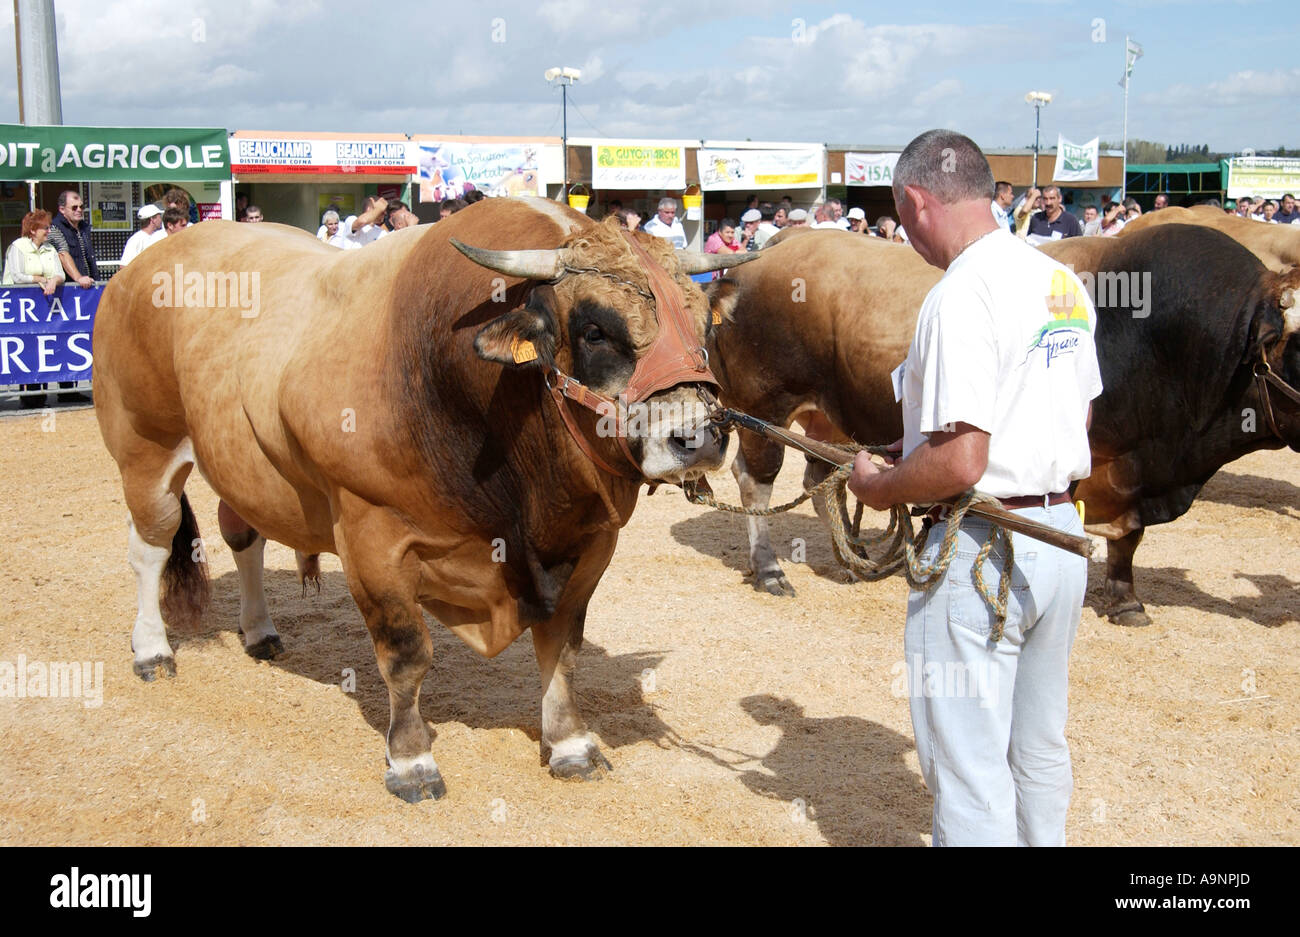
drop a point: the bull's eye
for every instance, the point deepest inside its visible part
(592, 335)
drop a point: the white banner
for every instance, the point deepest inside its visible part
(316, 155)
(1075, 163)
(1263, 176)
(870, 168)
(638, 166)
(721, 170)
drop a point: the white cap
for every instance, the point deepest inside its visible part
(148, 211)
(752, 215)
(858, 214)
(797, 215)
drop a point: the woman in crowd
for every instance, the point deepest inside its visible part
(723, 241)
(32, 261)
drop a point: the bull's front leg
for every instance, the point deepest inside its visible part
(756, 466)
(1122, 605)
(384, 584)
(567, 746)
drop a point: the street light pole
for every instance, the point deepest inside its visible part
(1038, 99)
(565, 76)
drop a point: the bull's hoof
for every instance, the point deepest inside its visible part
(589, 766)
(148, 670)
(269, 648)
(1131, 618)
(422, 783)
(774, 584)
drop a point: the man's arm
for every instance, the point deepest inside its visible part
(371, 215)
(942, 467)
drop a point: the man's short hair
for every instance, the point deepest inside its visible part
(63, 197)
(1050, 188)
(1131, 203)
(172, 215)
(177, 197)
(1000, 187)
(880, 222)
(473, 196)
(667, 202)
(767, 210)
(947, 164)
(329, 216)
(1290, 196)
(726, 223)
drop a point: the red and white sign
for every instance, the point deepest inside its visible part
(313, 155)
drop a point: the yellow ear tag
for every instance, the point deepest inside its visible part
(1078, 506)
(717, 317)
(522, 351)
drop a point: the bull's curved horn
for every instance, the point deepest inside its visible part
(692, 263)
(528, 265)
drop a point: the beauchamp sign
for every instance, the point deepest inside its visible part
(87, 154)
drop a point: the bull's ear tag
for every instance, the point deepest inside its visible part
(717, 317)
(522, 350)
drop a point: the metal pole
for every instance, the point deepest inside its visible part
(18, 55)
(564, 93)
(1038, 111)
(1123, 183)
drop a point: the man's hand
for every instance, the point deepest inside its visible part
(865, 483)
(85, 282)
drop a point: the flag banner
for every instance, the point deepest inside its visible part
(1132, 52)
(1075, 162)
(125, 154)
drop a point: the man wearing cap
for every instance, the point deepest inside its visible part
(767, 223)
(798, 218)
(151, 215)
(857, 220)
(996, 395)
(748, 234)
(666, 225)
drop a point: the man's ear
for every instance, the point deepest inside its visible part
(723, 296)
(523, 336)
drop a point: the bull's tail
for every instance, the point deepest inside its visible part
(185, 587)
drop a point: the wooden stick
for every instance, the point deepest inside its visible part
(998, 515)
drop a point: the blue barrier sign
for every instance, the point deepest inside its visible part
(46, 338)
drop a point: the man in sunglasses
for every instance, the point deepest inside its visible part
(70, 235)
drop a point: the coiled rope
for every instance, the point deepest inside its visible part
(854, 550)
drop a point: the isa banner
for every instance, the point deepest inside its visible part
(870, 168)
(46, 338)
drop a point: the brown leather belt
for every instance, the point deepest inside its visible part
(940, 511)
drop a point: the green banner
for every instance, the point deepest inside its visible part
(112, 154)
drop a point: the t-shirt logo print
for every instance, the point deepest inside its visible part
(1069, 315)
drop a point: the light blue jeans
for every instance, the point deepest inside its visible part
(990, 718)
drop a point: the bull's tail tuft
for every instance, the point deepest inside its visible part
(185, 586)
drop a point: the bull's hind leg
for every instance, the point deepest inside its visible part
(566, 745)
(261, 640)
(170, 573)
(756, 466)
(384, 586)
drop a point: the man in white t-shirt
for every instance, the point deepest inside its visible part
(367, 227)
(151, 215)
(665, 224)
(996, 394)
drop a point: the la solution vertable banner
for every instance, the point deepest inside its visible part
(449, 169)
(722, 170)
(46, 338)
(638, 166)
(1263, 176)
(112, 154)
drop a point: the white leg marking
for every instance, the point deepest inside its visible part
(254, 617)
(149, 637)
(576, 746)
(408, 767)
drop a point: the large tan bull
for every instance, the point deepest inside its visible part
(1276, 245)
(431, 418)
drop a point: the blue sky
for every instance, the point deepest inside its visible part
(823, 72)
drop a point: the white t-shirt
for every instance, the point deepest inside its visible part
(674, 232)
(1005, 342)
(825, 224)
(367, 235)
(136, 243)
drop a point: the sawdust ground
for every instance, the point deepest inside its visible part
(730, 716)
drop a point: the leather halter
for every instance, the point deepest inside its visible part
(1263, 377)
(674, 357)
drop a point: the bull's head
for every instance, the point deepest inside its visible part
(1274, 353)
(617, 326)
